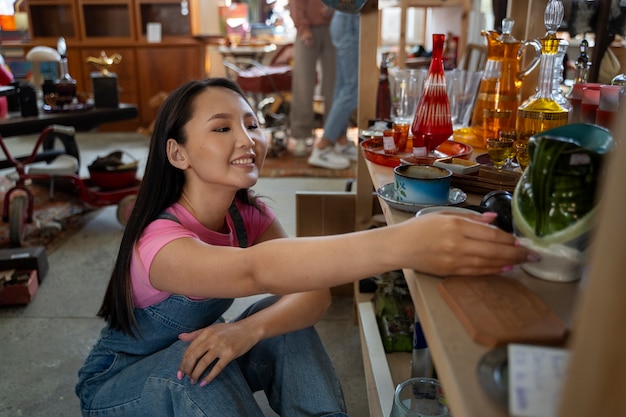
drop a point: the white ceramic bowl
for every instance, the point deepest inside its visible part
(451, 209)
(558, 263)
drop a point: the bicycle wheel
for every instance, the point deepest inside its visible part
(17, 220)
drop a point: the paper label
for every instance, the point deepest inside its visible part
(420, 151)
(536, 376)
(388, 143)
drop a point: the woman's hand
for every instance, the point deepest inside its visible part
(218, 344)
(451, 244)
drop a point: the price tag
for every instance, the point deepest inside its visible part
(536, 376)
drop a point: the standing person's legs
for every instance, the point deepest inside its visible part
(345, 32)
(302, 87)
(328, 65)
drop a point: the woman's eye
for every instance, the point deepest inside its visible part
(222, 129)
(253, 126)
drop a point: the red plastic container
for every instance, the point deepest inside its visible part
(113, 179)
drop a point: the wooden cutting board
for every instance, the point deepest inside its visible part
(497, 310)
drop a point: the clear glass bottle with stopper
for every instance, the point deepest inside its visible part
(582, 63)
(575, 94)
(65, 85)
(543, 110)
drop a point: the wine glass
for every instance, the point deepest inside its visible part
(500, 150)
(521, 154)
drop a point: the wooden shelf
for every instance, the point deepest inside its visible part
(454, 353)
(383, 371)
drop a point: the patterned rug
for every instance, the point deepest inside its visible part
(287, 165)
(54, 221)
(282, 163)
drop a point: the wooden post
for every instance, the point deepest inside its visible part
(596, 379)
(368, 77)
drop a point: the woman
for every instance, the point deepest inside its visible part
(197, 238)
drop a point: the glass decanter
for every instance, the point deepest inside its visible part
(432, 124)
(499, 94)
(543, 111)
(65, 86)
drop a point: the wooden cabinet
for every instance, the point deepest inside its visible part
(48, 20)
(165, 68)
(119, 26)
(106, 20)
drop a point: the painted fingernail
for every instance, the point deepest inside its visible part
(507, 268)
(203, 383)
(534, 257)
(193, 381)
(179, 375)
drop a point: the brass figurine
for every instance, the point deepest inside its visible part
(103, 63)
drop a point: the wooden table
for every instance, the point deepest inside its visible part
(455, 354)
(15, 125)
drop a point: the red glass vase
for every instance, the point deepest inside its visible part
(432, 124)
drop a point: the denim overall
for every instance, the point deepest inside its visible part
(135, 377)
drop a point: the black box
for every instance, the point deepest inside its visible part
(105, 90)
(26, 258)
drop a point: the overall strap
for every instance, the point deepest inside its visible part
(240, 229)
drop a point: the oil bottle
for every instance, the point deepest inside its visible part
(543, 111)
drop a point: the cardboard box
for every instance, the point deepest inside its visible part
(25, 259)
(20, 293)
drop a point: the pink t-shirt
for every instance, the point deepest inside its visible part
(162, 231)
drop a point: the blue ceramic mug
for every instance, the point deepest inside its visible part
(422, 184)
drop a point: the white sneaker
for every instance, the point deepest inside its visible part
(300, 149)
(327, 158)
(348, 151)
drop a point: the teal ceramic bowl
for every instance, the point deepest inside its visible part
(422, 184)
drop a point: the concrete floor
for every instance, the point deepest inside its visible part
(43, 344)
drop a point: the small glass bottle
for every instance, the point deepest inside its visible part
(543, 110)
(574, 95)
(383, 95)
(432, 124)
(65, 85)
(582, 63)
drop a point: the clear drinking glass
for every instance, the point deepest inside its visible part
(406, 88)
(419, 397)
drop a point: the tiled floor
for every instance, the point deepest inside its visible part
(42, 345)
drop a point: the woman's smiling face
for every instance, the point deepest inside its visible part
(225, 144)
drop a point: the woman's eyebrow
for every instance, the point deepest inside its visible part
(229, 116)
(220, 116)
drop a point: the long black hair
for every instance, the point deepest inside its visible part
(161, 186)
